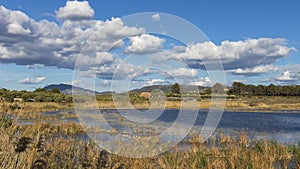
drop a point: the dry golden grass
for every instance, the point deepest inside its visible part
(38, 145)
(244, 103)
(33, 107)
(35, 146)
(207, 104)
(250, 103)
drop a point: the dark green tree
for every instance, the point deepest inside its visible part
(55, 90)
(40, 90)
(207, 91)
(69, 99)
(238, 88)
(176, 88)
(260, 90)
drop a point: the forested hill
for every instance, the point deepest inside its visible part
(67, 89)
(168, 88)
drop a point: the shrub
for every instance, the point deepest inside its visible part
(5, 121)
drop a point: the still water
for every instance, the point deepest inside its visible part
(280, 126)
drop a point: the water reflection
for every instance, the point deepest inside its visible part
(283, 127)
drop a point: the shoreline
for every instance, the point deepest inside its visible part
(229, 105)
(229, 110)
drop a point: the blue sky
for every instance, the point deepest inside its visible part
(269, 25)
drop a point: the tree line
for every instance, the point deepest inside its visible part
(38, 95)
(239, 88)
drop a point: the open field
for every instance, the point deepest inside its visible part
(261, 103)
(255, 103)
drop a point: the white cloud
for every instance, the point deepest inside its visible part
(278, 74)
(255, 71)
(15, 28)
(288, 73)
(75, 10)
(24, 41)
(234, 55)
(106, 82)
(179, 49)
(14, 22)
(7, 80)
(145, 43)
(50, 44)
(203, 81)
(100, 58)
(116, 71)
(151, 82)
(37, 80)
(155, 17)
(183, 73)
(286, 76)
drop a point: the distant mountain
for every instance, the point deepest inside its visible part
(168, 88)
(61, 87)
(67, 89)
(164, 88)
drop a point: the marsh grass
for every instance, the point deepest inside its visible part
(250, 103)
(44, 145)
(29, 110)
(48, 145)
(24, 109)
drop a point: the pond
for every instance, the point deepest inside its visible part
(280, 126)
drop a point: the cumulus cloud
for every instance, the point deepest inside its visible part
(282, 74)
(24, 41)
(255, 71)
(116, 71)
(49, 44)
(14, 22)
(16, 28)
(144, 44)
(151, 82)
(75, 10)
(288, 76)
(155, 17)
(100, 58)
(234, 55)
(183, 73)
(36, 80)
(203, 81)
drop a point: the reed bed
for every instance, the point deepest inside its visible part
(43, 145)
(249, 104)
(30, 109)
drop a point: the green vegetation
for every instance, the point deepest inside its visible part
(176, 88)
(55, 90)
(261, 90)
(5, 121)
(44, 145)
(39, 95)
(238, 97)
